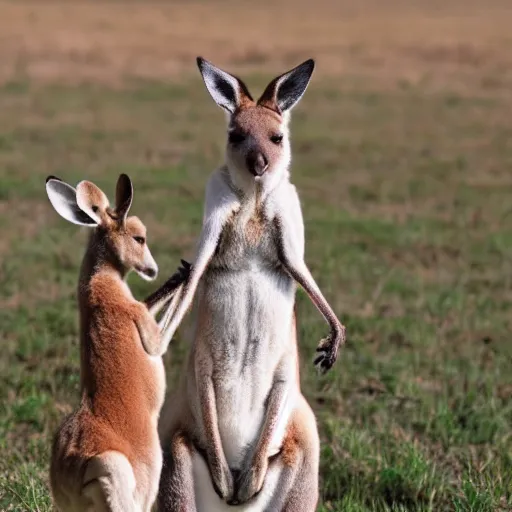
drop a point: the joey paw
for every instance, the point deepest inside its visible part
(181, 275)
(328, 350)
(186, 265)
(183, 272)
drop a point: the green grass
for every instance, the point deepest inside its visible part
(406, 195)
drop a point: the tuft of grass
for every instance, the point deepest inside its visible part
(23, 481)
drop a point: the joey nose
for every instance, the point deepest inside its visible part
(151, 272)
(257, 163)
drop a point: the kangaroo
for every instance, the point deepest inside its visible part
(239, 431)
(107, 455)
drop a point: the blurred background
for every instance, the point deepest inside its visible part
(403, 161)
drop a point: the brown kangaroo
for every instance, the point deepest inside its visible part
(106, 455)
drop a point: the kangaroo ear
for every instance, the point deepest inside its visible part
(124, 196)
(92, 201)
(228, 91)
(63, 199)
(285, 91)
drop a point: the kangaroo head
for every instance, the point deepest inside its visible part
(258, 145)
(117, 237)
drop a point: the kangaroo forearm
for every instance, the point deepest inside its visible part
(158, 299)
(149, 335)
(276, 403)
(207, 246)
(302, 276)
(179, 305)
(219, 470)
(209, 418)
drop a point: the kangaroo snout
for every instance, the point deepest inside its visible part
(257, 163)
(150, 272)
(147, 268)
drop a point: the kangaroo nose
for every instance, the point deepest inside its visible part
(257, 163)
(150, 272)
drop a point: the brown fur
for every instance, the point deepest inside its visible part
(290, 446)
(254, 229)
(255, 226)
(269, 97)
(122, 387)
(299, 459)
(258, 124)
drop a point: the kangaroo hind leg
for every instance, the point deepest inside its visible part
(109, 483)
(176, 491)
(297, 465)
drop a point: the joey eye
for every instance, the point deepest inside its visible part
(236, 137)
(140, 240)
(277, 139)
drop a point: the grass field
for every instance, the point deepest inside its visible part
(403, 160)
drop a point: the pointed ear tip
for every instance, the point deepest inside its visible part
(52, 178)
(201, 62)
(310, 63)
(124, 177)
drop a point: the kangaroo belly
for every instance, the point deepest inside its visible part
(247, 316)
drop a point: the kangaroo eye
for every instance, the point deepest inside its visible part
(276, 139)
(236, 137)
(140, 240)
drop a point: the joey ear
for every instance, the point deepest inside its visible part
(92, 201)
(124, 196)
(63, 199)
(228, 91)
(285, 91)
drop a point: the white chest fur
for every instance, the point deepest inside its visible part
(248, 299)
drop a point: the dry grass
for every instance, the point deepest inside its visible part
(109, 41)
(403, 161)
